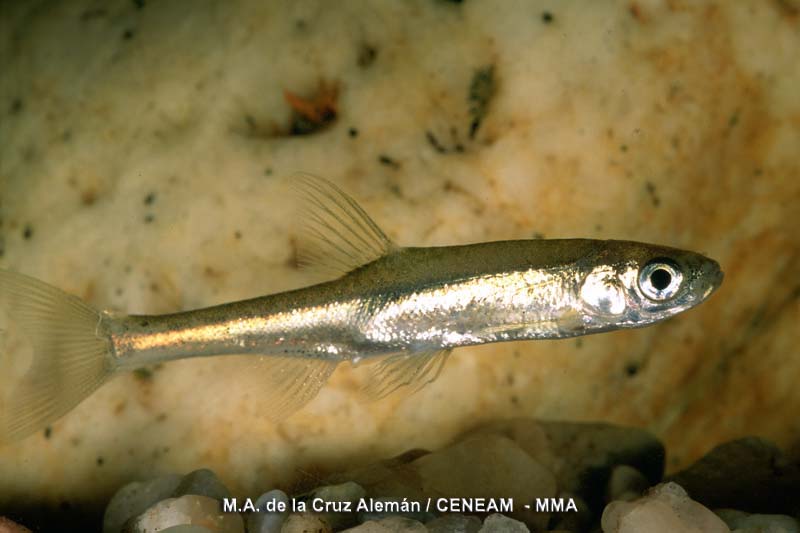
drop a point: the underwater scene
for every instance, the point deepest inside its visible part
(422, 266)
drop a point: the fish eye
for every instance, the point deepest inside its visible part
(660, 279)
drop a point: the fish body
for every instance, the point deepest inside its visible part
(426, 299)
(409, 306)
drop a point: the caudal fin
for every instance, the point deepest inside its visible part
(70, 355)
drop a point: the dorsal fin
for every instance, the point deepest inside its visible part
(338, 234)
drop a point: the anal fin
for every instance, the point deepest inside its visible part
(289, 383)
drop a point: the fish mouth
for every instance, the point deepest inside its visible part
(712, 275)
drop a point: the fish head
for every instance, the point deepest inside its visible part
(631, 284)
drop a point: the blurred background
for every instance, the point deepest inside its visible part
(145, 152)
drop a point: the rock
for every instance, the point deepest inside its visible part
(487, 465)
(380, 479)
(741, 522)
(9, 526)
(454, 523)
(202, 482)
(305, 523)
(268, 519)
(333, 510)
(419, 516)
(134, 498)
(186, 510)
(393, 524)
(666, 508)
(625, 483)
(481, 465)
(748, 474)
(582, 456)
(497, 523)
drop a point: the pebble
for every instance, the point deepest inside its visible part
(305, 523)
(454, 523)
(582, 456)
(348, 492)
(186, 510)
(487, 465)
(750, 474)
(9, 526)
(267, 521)
(626, 484)
(134, 498)
(498, 523)
(394, 524)
(741, 522)
(666, 508)
(202, 482)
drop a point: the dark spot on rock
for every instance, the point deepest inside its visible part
(16, 106)
(353, 133)
(300, 25)
(268, 171)
(150, 198)
(314, 113)
(434, 142)
(66, 136)
(154, 287)
(733, 120)
(139, 4)
(143, 374)
(481, 91)
(384, 159)
(237, 234)
(631, 369)
(623, 148)
(636, 12)
(88, 197)
(366, 55)
(100, 461)
(27, 232)
(2, 246)
(128, 34)
(510, 380)
(161, 417)
(537, 235)
(514, 399)
(578, 343)
(547, 17)
(148, 218)
(48, 432)
(650, 187)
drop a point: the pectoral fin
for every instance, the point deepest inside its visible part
(407, 369)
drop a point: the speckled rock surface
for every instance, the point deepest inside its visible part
(145, 147)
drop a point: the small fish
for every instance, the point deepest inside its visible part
(409, 306)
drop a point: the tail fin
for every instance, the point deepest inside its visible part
(71, 355)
